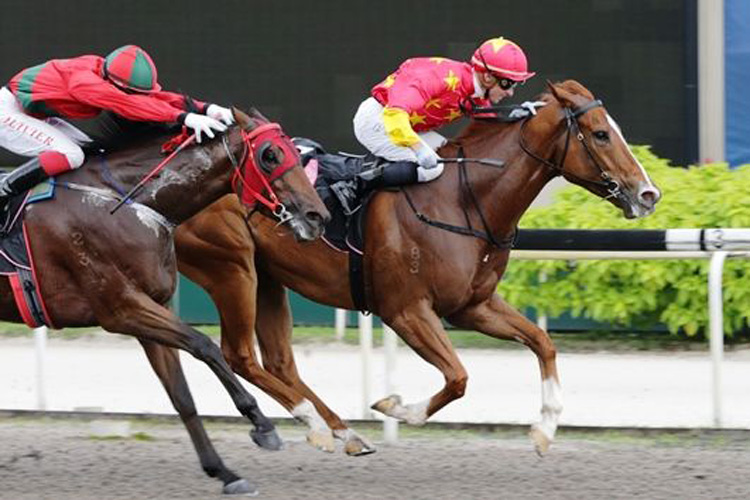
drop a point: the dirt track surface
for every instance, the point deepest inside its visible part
(58, 459)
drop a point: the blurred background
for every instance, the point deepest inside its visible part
(672, 72)
(310, 64)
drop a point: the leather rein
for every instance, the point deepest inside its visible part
(558, 168)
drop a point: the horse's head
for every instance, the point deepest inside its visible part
(270, 174)
(591, 150)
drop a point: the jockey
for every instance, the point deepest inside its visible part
(397, 123)
(34, 102)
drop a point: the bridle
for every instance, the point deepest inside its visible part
(251, 182)
(607, 183)
(610, 185)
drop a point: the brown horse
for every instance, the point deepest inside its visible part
(416, 273)
(119, 270)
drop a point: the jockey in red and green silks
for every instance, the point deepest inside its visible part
(397, 123)
(35, 100)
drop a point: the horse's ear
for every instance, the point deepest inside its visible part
(257, 114)
(242, 119)
(562, 96)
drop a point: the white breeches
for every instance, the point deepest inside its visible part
(28, 136)
(370, 132)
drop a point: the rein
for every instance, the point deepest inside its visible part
(571, 120)
(610, 185)
(468, 230)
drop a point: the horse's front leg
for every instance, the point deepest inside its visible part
(274, 329)
(422, 330)
(166, 364)
(496, 318)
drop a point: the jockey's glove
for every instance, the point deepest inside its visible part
(527, 108)
(202, 124)
(224, 115)
(426, 157)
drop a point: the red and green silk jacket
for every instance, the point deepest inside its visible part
(76, 88)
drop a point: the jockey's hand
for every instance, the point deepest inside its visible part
(224, 115)
(203, 125)
(527, 108)
(426, 157)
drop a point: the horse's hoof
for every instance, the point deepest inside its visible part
(540, 440)
(268, 440)
(386, 405)
(358, 448)
(240, 487)
(321, 440)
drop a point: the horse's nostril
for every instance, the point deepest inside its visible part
(650, 196)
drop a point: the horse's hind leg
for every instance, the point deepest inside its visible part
(138, 315)
(274, 330)
(496, 318)
(166, 364)
(421, 329)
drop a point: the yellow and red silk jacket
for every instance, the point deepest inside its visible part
(75, 88)
(425, 93)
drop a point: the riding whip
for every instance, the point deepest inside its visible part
(151, 174)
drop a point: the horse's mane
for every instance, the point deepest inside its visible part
(478, 129)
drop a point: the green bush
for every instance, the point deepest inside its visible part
(641, 292)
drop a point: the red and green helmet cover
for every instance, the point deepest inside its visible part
(132, 68)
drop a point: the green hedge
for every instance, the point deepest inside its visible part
(628, 293)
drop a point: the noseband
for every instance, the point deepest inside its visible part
(256, 181)
(610, 185)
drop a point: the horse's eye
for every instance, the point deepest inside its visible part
(269, 156)
(601, 135)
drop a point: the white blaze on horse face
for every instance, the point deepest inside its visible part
(616, 128)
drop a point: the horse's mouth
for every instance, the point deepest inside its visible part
(634, 209)
(306, 228)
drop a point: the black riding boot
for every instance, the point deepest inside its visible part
(21, 179)
(385, 175)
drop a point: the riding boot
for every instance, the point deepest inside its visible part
(385, 175)
(21, 179)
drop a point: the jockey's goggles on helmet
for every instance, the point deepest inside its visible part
(505, 83)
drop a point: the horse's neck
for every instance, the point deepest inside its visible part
(189, 182)
(503, 196)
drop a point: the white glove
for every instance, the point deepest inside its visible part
(203, 125)
(426, 157)
(525, 109)
(220, 113)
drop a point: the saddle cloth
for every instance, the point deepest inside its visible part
(15, 256)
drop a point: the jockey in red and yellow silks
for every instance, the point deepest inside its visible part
(125, 82)
(397, 123)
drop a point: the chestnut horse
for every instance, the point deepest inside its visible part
(118, 270)
(416, 273)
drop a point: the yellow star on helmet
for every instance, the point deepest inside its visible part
(438, 60)
(433, 103)
(389, 81)
(451, 80)
(415, 118)
(454, 113)
(499, 43)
